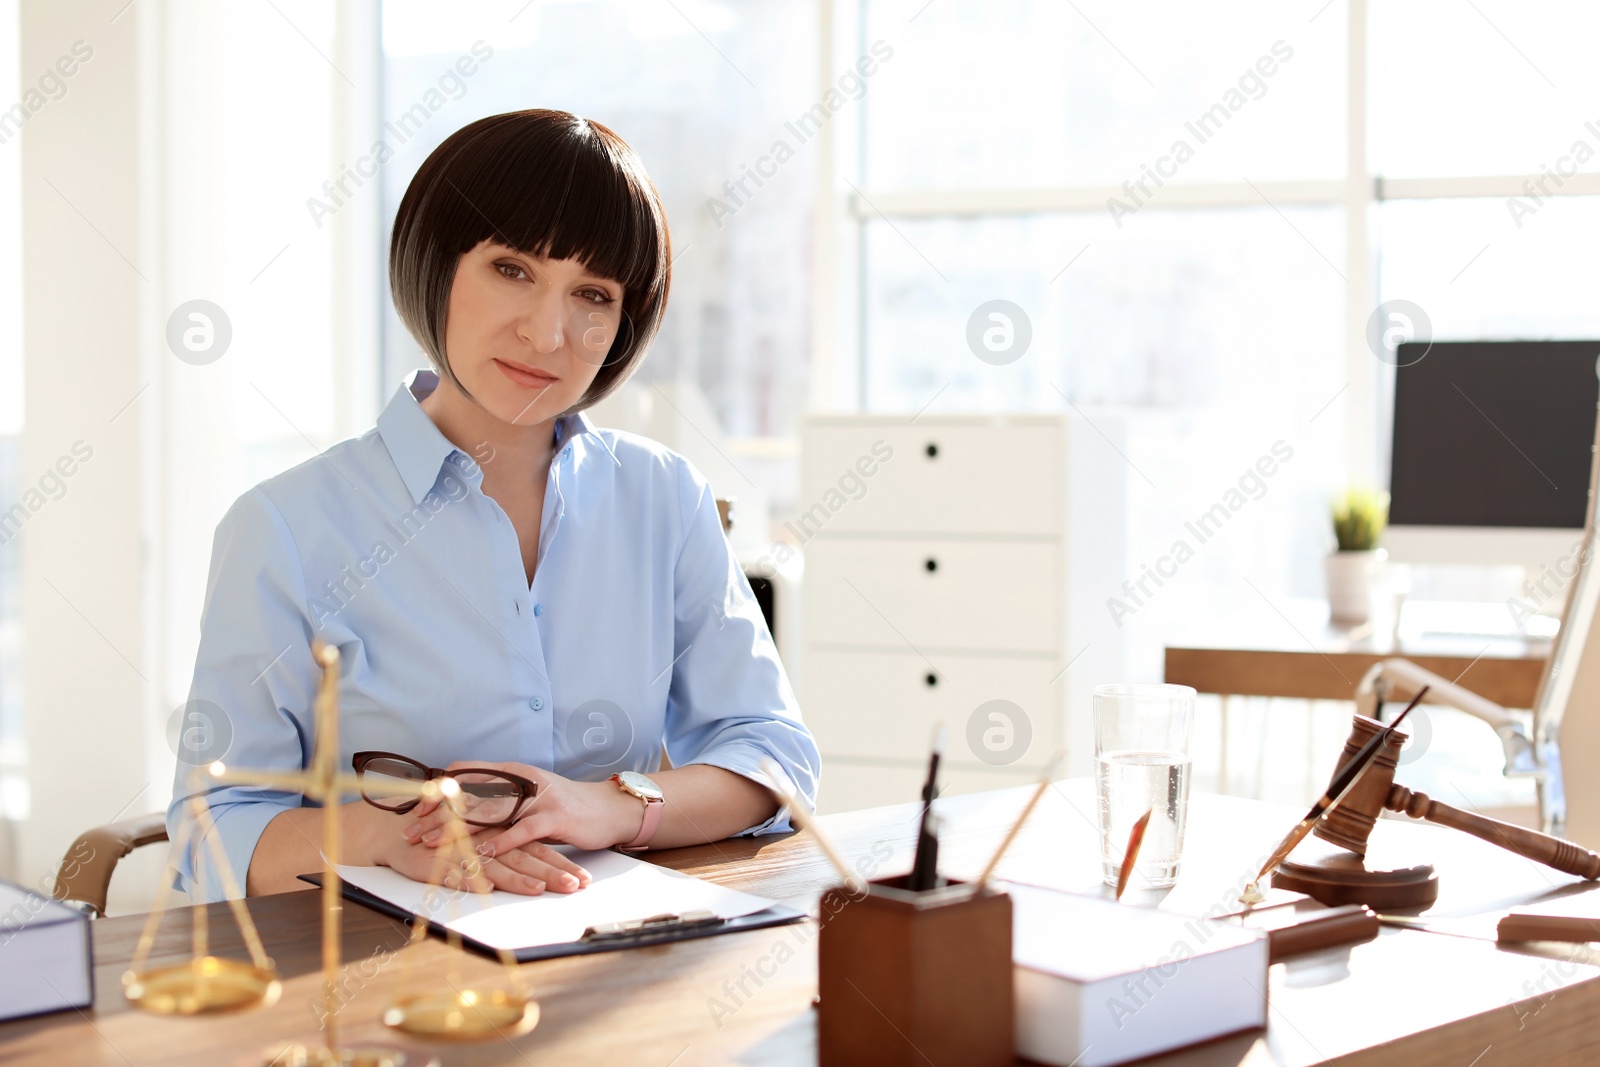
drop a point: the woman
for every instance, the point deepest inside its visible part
(507, 585)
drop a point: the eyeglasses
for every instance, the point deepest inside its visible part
(488, 798)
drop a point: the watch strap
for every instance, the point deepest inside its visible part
(647, 830)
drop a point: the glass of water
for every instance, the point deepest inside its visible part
(1141, 757)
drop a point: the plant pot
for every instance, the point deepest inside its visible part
(1351, 577)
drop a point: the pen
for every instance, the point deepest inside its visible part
(925, 868)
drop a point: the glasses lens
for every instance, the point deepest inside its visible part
(593, 329)
(381, 777)
(488, 799)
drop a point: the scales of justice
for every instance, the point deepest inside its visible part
(443, 1010)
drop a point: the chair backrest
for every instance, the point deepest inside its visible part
(1566, 713)
(85, 872)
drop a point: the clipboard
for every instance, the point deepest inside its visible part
(636, 933)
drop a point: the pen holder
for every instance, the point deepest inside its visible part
(915, 978)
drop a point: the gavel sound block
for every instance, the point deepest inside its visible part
(1348, 877)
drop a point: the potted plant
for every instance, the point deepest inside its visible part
(1359, 517)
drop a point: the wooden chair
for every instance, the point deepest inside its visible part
(85, 872)
(1566, 711)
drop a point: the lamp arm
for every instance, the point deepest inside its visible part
(1403, 674)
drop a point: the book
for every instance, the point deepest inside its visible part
(1100, 983)
(46, 956)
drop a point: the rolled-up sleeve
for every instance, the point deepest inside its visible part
(730, 703)
(252, 687)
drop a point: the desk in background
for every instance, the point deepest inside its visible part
(1299, 654)
(1407, 998)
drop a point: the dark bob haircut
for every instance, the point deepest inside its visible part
(545, 183)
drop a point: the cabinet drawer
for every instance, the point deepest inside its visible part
(990, 476)
(989, 596)
(884, 706)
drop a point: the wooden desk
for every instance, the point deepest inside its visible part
(1406, 998)
(1290, 649)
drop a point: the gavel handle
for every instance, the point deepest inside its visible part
(1542, 848)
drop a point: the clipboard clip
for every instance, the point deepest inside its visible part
(666, 922)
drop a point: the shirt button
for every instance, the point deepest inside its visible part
(567, 451)
(538, 609)
(537, 703)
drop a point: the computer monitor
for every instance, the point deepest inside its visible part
(1491, 450)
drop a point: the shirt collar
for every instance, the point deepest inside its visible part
(576, 425)
(419, 450)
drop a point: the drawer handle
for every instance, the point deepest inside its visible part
(932, 679)
(933, 450)
(932, 564)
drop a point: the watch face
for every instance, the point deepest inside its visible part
(639, 785)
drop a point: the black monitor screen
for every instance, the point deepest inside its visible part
(1493, 433)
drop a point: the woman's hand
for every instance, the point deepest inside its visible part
(292, 842)
(590, 815)
(530, 869)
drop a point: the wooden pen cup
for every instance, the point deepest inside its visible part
(915, 978)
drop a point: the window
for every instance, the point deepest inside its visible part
(1481, 276)
(1187, 309)
(1479, 89)
(1034, 94)
(1171, 211)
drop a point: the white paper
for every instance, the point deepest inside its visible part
(622, 889)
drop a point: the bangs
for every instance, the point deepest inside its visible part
(565, 192)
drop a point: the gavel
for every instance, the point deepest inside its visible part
(1350, 823)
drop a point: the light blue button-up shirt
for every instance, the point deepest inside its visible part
(640, 629)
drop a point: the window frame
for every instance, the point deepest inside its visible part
(839, 352)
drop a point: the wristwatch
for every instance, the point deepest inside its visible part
(636, 784)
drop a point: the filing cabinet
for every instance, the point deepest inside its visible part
(940, 586)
